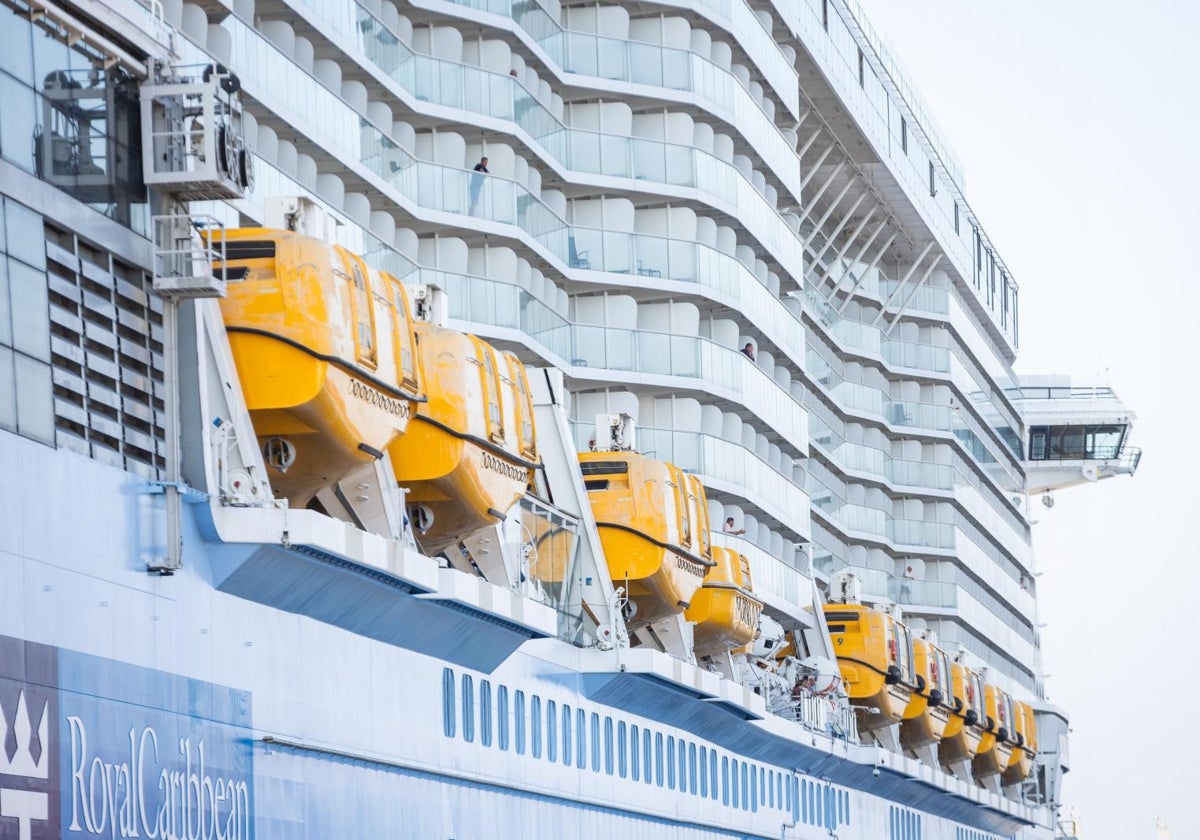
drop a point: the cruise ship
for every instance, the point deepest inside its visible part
(509, 418)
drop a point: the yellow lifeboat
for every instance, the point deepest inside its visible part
(875, 655)
(1025, 751)
(725, 611)
(996, 745)
(960, 738)
(927, 713)
(324, 351)
(468, 454)
(653, 525)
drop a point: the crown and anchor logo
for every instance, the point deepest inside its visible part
(19, 803)
(23, 762)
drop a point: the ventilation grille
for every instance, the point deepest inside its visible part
(106, 346)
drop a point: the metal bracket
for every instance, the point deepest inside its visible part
(186, 493)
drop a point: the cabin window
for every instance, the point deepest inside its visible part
(647, 757)
(580, 739)
(502, 716)
(712, 774)
(595, 742)
(448, 709)
(567, 737)
(692, 768)
(551, 731)
(485, 713)
(703, 772)
(670, 762)
(608, 745)
(519, 721)
(468, 708)
(658, 758)
(635, 765)
(535, 726)
(724, 780)
(622, 751)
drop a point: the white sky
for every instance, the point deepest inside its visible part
(1076, 123)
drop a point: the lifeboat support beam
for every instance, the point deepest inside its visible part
(888, 737)
(369, 499)
(670, 635)
(961, 770)
(565, 480)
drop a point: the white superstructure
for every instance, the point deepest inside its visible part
(728, 222)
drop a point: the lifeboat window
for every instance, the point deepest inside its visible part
(249, 249)
(403, 334)
(604, 467)
(596, 484)
(363, 310)
(516, 370)
(491, 390)
(683, 516)
(702, 527)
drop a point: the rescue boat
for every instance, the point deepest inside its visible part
(996, 745)
(468, 454)
(724, 609)
(655, 540)
(961, 737)
(928, 712)
(1024, 753)
(325, 355)
(875, 654)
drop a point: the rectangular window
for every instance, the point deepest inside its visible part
(932, 180)
(647, 758)
(704, 771)
(608, 745)
(735, 797)
(904, 135)
(724, 780)
(502, 715)
(635, 744)
(862, 77)
(956, 219)
(712, 767)
(519, 721)
(595, 742)
(753, 793)
(622, 751)
(535, 726)
(448, 705)
(568, 739)
(551, 731)
(825, 15)
(670, 762)
(692, 768)
(485, 713)
(468, 708)
(580, 739)
(658, 758)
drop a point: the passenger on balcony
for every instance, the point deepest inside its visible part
(906, 584)
(748, 351)
(729, 527)
(477, 182)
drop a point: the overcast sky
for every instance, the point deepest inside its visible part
(1076, 123)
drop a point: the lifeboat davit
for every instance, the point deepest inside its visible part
(724, 609)
(653, 524)
(324, 351)
(1024, 753)
(875, 655)
(964, 728)
(928, 712)
(998, 741)
(470, 450)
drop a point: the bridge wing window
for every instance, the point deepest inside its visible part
(1075, 443)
